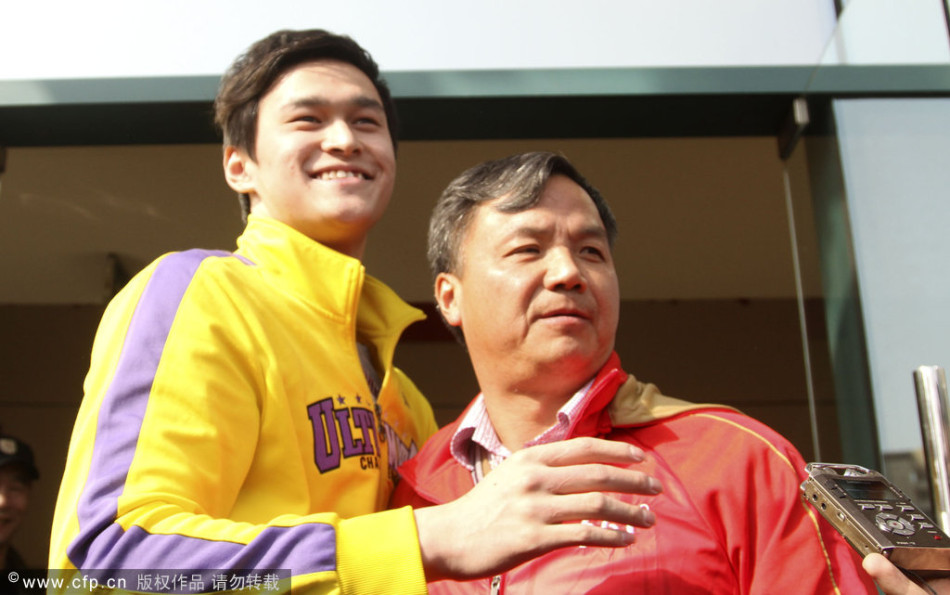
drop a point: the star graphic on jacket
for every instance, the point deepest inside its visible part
(340, 399)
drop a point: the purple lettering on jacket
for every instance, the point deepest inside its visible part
(366, 421)
(103, 543)
(326, 444)
(351, 447)
(333, 435)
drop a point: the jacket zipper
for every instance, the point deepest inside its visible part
(496, 584)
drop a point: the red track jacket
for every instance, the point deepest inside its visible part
(730, 519)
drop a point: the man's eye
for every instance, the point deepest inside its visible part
(529, 249)
(307, 119)
(593, 251)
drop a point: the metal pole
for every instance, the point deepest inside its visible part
(946, 14)
(932, 401)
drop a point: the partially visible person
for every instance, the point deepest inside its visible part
(521, 250)
(242, 410)
(17, 473)
(892, 581)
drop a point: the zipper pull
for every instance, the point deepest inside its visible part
(496, 584)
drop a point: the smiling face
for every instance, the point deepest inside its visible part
(14, 499)
(324, 162)
(536, 293)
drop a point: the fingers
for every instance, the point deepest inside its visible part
(597, 506)
(579, 465)
(597, 478)
(572, 481)
(477, 536)
(588, 533)
(890, 579)
(541, 498)
(887, 577)
(578, 451)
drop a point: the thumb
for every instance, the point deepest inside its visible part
(888, 577)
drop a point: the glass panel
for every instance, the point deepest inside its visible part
(876, 174)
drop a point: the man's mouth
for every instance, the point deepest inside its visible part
(340, 174)
(565, 312)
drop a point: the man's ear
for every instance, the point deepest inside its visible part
(236, 170)
(448, 294)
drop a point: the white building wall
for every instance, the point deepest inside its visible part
(121, 38)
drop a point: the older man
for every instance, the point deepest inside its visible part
(521, 252)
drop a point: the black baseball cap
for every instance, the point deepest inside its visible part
(14, 451)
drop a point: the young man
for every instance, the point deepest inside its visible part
(242, 412)
(521, 252)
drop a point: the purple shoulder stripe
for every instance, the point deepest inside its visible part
(102, 543)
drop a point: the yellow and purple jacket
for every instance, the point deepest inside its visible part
(227, 424)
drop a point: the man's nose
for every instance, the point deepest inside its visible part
(563, 271)
(340, 138)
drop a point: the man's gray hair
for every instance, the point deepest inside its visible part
(517, 181)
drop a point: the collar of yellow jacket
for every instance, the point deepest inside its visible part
(638, 403)
(334, 283)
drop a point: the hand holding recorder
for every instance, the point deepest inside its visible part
(905, 551)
